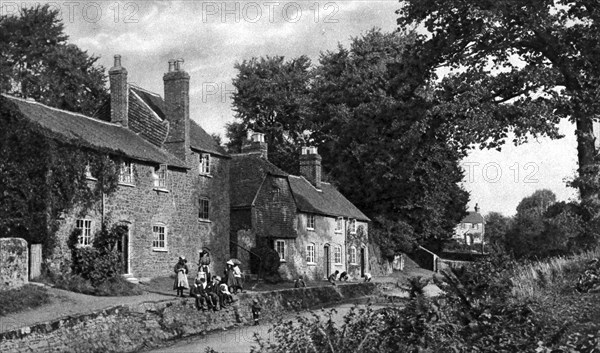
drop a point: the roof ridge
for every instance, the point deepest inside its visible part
(32, 101)
(145, 90)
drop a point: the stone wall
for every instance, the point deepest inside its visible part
(141, 206)
(146, 325)
(14, 263)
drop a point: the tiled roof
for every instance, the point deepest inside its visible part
(93, 132)
(147, 117)
(329, 201)
(248, 172)
(473, 217)
(202, 141)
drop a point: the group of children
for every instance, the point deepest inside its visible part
(209, 291)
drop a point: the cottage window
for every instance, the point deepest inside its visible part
(352, 255)
(310, 222)
(280, 248)
(85, 236)
(310, 253)
(126, 173)
(160, 180)
(88, 172)
(205, 164)
(204, 207)
(337, 255)
(474, 225)
(159, 237)
(463, 225)
(339, 224)
(353, 226)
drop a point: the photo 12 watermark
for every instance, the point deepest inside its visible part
(271, 11)
(73, 11)
(217, 91)
(492, 172)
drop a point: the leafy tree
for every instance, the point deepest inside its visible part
(36, 61)
(496, 227)
(272, 96)
(518, 66)
(377, 141)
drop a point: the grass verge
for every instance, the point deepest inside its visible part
(26, 297)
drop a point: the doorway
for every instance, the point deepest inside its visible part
(362, 262)
(123, 248)
(326, 260)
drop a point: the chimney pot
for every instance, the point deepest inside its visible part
(117, 61)
(171, 65)
(179, 65)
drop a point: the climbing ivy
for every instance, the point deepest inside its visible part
(43, 176)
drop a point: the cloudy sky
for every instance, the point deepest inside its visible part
(212, 36)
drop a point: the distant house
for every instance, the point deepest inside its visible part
(173, 193)
(312, 226)
(471, 229)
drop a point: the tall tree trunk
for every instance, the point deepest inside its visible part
(586, 153)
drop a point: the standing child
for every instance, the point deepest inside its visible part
(181, 271)
(256, 311)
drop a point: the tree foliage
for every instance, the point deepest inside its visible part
(518, 66)
(36, 61)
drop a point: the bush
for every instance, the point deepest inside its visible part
(269, 264)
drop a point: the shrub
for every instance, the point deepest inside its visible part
(269, 264)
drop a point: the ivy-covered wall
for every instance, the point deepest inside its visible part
(14, 265)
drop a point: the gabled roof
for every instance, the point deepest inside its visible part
(148, 117)
(473, 217)
(328, 201)
(93, 132)
(249, 170)
(247, 173)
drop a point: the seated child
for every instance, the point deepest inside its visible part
(344, 276)
(299, 283)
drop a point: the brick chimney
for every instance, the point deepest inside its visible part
(477, 207)
(119, 93)
(257, 145)
(310, 166)
(177, 98)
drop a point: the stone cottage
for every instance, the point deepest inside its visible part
(173, 193)
(312, 226)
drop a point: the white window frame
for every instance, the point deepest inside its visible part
(310, 253)
(337, 254)
(311, 221)
(201, 210)
(162, 177)
(280, 245)
(88, 172)
(159, 244)
(339, 224)
(85, 237)
(205, 163)
(126, 173)
(353, 226)
(352, 255)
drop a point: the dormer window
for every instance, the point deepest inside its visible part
(126, 173)
(310, 222)
(160, 177)
(353, 226)
(204, 164)
(339, 224)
